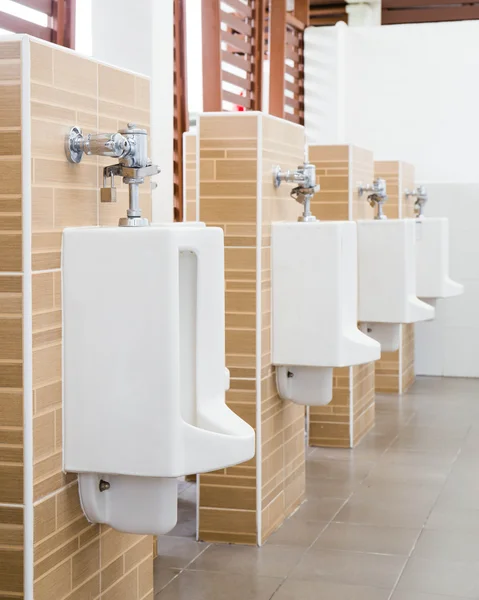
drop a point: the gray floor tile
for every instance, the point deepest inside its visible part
(268, 561)
(296, 589)
(441, 577)
(201, 585)
(367, 538)
(177, 552)
(355, 568)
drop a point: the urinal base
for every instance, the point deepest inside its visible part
(308, 386)
(141, 505)
(387, 334)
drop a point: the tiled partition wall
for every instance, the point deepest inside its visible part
(236, 154)
(350, 415)
(48, 550)
(395, 370)
(189, 177)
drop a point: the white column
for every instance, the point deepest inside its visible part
(139, 37)
(325, 84)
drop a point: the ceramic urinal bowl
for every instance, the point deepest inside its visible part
(314, 308)
(432, 260)
(144, 369)
(387, 280)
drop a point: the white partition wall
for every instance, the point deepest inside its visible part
(411, 92)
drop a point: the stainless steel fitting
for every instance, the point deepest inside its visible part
(305, 178)
(420, 193)
(375, 195)
(130, 146)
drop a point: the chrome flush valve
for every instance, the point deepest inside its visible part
(420, 193)
(376, 195)
(130, 146)
(305, 178)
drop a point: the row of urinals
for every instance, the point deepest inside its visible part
(144, 343)
(328, 277)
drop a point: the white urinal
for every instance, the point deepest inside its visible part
(432, 260)
(387, 279)
(314, 281)
(144, 369)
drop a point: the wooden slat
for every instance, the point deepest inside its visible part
(235, 23)
(431, 15)
(291, 54)
(290, 71)
(301, 11)
(241, 82)
(239, 7)
(211, 28)
(69, 30)
(259, 53)
(181, 101)
(60, 17)
(237, 100)
(17, 25)
(295, 87)
(237, 61)
(294, 22)
(292, 102)
(293, 117)
(236, 41)
(277, 63)
(291, 38)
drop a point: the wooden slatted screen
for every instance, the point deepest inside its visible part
(180, 103)
(427, 11)
(233, 41)
(286, 86)
(54, 20)
(327, 12)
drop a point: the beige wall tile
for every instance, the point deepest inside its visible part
(11, 571)
(46, 365)
(10, 111)
(41, 65)
(10, 50)
(76, 208)
(11, 346)
(44, 519)
(43, 436)
(237, 127)
(71, 72)
(42, 208)
(127, 587)
(112, 573)
(114, 84)
(85, 563)
(55, 584)
(60, 173)
(11, 484)
(10, 143)
(11, 409)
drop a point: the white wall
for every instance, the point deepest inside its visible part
(411, 92)
(138, 36)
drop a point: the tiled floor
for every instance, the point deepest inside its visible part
(397, 518)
